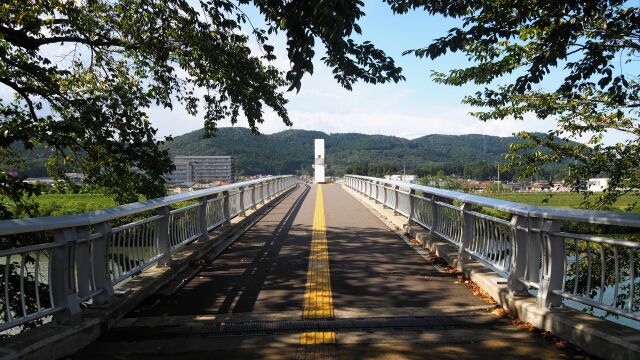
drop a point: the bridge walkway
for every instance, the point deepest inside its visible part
(319, 276)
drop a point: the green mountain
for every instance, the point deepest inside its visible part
(291, 151)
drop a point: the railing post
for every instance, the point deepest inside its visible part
(553, 259)
(100, 260)
(534, 251)
(242, 206)
(384, 196)
(202, 218)
(396, 190)
(61, 277)
(519, 245)
(83, 261)
(412, 206)
(262, 199)
(375, 199)
(468, 228)
(162, 237)
(253, 197)
(435, 218)
(226, 208)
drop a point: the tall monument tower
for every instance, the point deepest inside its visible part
(319, 161)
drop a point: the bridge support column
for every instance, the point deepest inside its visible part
(553, 258)
(519, 261)
(100, 260)
(62, 280)
(162, 237)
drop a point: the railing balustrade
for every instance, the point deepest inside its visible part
(79, 259)
(531, 250)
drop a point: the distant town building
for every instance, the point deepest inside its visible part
(184, 187)
(202, 169)
(411, 179)
(75, 178)
(598, 184)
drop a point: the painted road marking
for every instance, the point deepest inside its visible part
(318, 298)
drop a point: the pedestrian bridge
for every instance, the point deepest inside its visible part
(277, 268)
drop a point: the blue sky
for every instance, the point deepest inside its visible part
(410, 109)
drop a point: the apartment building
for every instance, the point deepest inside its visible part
(202, 169)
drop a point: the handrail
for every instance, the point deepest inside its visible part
(86, 256)
(18, 226)
(530, 250)
(617, 218)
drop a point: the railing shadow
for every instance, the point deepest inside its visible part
(233, 281)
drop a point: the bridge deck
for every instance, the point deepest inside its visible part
(366, 294)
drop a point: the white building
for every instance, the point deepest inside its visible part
(598, 184)
(318, 167)
(411, 179)
(202, 169)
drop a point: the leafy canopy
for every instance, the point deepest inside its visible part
(516, 46)
(119, 58)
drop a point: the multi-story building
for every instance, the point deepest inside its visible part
(202, 169)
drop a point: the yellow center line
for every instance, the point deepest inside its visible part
(318, 298)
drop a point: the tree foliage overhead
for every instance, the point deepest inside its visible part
(588, 46)
(83, 75)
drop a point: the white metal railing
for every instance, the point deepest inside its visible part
(80, 258)
(530, 249)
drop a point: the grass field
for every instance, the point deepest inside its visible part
(565, 200)
(64, 204)
(67, 204)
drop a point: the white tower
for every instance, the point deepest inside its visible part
(319, 161)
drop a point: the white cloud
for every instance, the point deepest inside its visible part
(410, 126)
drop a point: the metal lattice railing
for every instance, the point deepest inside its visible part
(597, 273)
(81, 258)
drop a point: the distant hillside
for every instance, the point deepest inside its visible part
(291, 151)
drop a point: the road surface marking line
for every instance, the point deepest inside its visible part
(318, 298)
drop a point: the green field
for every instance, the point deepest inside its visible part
(566, 200)
(67, 204)
(64, 204)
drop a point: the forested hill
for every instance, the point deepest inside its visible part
(291, 151)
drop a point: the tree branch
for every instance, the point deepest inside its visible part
(22, 94)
